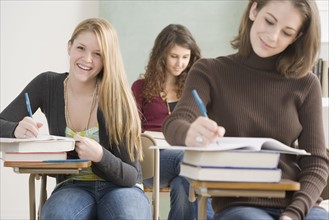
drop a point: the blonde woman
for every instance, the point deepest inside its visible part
(92, 103)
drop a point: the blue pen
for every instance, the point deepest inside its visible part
(199, 103)
(28, 105)
(201, 106)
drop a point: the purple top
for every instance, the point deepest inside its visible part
(153, 113)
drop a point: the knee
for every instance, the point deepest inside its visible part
(179, 187)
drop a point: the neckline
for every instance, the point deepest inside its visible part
(256, 62)
(67, 114)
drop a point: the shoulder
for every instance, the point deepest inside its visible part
(310, 82)
(53, 76)
(214, 62)
(138, 85)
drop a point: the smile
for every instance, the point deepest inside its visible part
(84, 67)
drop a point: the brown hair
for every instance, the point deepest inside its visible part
(298, 58)
(173, 34)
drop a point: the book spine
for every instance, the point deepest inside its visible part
(324, 82)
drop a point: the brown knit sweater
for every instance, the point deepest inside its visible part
(250, 99)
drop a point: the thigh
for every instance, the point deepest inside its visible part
(243, 213)
(169, 167)
(70, 201)
(124, 203)
(317, 214)
(170, 161)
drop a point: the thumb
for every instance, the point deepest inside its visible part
(78, 138)
(39, 124)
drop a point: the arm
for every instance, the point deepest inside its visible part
(115, 165)
(314, 168)
(11, 116)
(182, 126)
(137, 89)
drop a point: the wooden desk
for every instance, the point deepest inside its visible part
(204, 189)
(42, 169)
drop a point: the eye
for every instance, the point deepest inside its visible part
(98, 54)
(173, 56)
(269, 22)
(287, 34)
(80, 48)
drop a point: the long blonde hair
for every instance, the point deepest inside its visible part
(115, 96)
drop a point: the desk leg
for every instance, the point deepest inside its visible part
(32, 195)
(202, 207)
(43, 193)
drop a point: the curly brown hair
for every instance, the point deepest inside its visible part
(155, 75)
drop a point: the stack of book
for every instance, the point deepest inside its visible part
(235, 159)
(43, 148)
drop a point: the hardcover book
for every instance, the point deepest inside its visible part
(223, 174)
(233, 158)
(33, 157)
(46, 143)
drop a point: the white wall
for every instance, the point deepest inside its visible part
(34, 37)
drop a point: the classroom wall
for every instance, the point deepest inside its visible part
(138, 22)
(34, 37)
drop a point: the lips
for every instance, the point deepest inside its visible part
(265, 44)
(86, 68)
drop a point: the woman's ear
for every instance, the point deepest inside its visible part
(253, 11)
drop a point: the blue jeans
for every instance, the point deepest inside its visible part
(180, 207)
(96, 200)
(252, 213)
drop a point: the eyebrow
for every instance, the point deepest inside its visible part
(290, 28)
(81, 44)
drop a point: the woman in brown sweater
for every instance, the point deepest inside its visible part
(266, 89)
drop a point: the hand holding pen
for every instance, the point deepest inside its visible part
(27, 128)
(203, 131)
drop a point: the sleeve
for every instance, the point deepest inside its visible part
(314, 168)
(137, 89)
(17, 110)
(115, 165)
(176, 125)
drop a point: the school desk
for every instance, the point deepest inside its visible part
(204, 189)
(42, 169)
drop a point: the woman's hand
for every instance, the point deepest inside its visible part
(27, 128)
(88, 149)
(203, 131)
(284, 217)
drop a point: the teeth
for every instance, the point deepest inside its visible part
(84, 67)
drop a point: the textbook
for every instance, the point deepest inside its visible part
(233, 158)
(242, 143)
(230, 174)
(44, 143)
(33, 156)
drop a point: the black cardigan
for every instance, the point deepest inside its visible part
(46, 91)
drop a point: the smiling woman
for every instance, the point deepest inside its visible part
(266, 89)
(99, 130)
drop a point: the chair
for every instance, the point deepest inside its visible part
(150, 168)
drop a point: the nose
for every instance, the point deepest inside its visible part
(180, 62)
(274, 34)
(88, 57)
